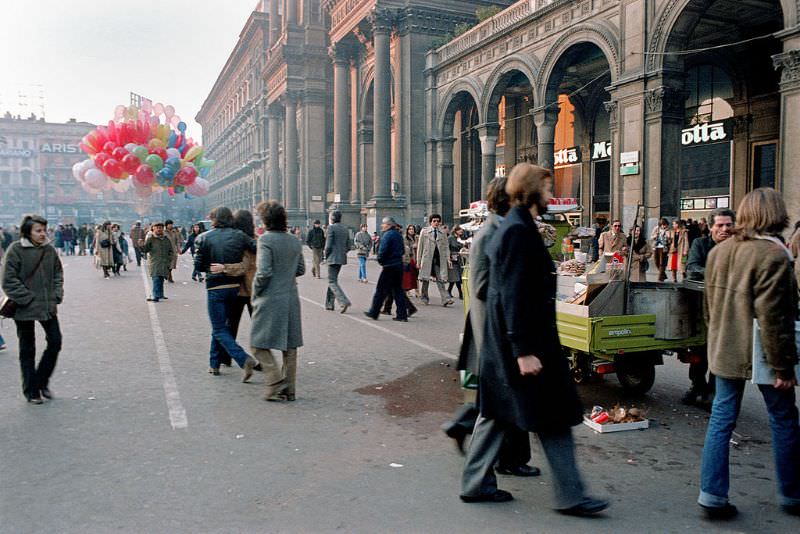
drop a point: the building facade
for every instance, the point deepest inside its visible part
(680, 106)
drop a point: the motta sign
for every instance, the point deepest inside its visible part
(58, 148)
(567, 156)
(707, 132)
(15, 153)
(601, 150)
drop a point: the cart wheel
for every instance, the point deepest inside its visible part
(579, 367)
(637, 379)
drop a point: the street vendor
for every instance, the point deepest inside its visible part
(613, 240)
(722, 220)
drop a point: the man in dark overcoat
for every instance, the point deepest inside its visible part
(524, 376)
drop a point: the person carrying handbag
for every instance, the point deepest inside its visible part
(33, 280)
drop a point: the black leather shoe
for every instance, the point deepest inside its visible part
(373, 317)
(791, 509)
(398, 319)
(497, 496)
(519, 471)
(720, 512)
(46, 393)
(586, 508)
(457, 433)
(35, 400)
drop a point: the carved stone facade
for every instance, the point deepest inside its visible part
(585, 58)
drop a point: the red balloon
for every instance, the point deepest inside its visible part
(144, 175)
(112, 169)
(125, 133)
(160, 152)
(119, 153)
(88, 149)
(109, 147)
(186, 176)
(130, 163)
(101, 158)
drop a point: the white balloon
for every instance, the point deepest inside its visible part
(130, 146)
(121, 186)
(173, 152)
(95, 179)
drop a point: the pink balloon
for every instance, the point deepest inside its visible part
(169, 111)
(158, 109)
(119, 112)
(175, 120)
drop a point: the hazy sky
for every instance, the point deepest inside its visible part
(88, 55)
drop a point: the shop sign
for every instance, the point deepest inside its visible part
(629, 157)
(601, 150)
(706, 132)
(15, 153)
(567, 156)
(59, 148)
(629, 169)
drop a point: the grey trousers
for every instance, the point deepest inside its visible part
(440, 285)
(274, 375)
(334, 291)
(487, 438)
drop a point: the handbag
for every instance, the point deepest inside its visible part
(105, 243)
(8, 308)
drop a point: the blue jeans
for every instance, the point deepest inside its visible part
(714, 470)
(220, 303)
(158, 287)
(362, 267)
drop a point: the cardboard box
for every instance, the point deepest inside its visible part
(612, 427)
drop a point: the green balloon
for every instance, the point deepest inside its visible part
(155, 162)
(140, 152)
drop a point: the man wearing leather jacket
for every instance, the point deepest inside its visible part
(223, 244)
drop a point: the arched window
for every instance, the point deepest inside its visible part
(709, 89)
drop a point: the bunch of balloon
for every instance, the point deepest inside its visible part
(138, 150)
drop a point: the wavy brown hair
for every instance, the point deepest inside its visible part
(273, 215)
(761, 212)
(525, 184)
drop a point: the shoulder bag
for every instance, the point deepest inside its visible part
(8, 308)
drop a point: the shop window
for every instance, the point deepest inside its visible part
(709, 88)
(705, 170)
(765, 164)
(601, 186)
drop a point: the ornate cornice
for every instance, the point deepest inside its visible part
(658, 34)
(427, 21)
(383, 20)
(789, 65)
(612, 107)
(741, 124)
(665, 100)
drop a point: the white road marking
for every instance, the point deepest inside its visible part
(177, 414)
(372, 324)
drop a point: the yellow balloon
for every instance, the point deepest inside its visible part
(163, 132)
(156, 143)
(194, 152)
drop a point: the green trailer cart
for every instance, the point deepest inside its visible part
(626, 327)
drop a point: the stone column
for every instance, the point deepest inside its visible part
(274, 135)
(545, 120)
(290, 153)
(788, 63)
(382, 27)
(665, 114)
(341, 124)
(274, 28)
(488, 133)
(444, 156)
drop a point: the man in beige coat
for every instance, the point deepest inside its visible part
(613, 240)
(433, 259)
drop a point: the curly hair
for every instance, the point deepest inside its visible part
(273, 215)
